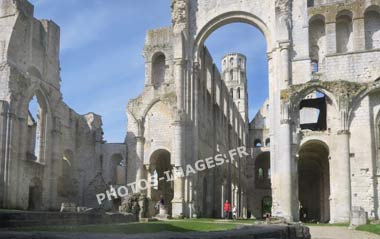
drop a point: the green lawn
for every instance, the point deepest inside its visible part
(135, 228)
(327, 224)
(373, 228)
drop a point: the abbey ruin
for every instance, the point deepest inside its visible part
(314, 144)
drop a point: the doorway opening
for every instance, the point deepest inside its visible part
(314, 182)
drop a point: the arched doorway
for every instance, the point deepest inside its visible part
(314, 182)
(159, 167)
(262, 197)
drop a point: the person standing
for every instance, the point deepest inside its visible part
(227, 209)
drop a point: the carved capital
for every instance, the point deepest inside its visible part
(284, 45)
(140, 139)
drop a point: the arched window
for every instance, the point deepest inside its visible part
(258, 143)
(372, 28)
(344, 36)
(238, 92)
(317, 41)
(231, 75)
(232, 92)
(37, 113)
(267, 142)
(262, 166)
(314, 66)
(313, 112)
(158, 70)
(118, 170)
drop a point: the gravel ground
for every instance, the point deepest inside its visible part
(327, 232)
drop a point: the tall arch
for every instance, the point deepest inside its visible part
(159, 165)
(372, 27)
(158, 69)
(37, 113)
(317, 41)
(314, 181)
(227, 18)
(344, 31)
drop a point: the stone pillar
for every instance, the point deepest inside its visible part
(341, 188)
(359, 34)
(331, 37)
(178, 73)
(148, 176)
(284, 159)
(57, 152)
(178, 199)
(3, 130)
(140, 159)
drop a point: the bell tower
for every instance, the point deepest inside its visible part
(235, 77)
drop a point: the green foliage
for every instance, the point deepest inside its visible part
(373, 228)
(136, 228)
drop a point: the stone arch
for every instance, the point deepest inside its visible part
(344, 31)
(157, 125)
(356, 101)
(160, 162)
(36, 125)
(314, 181)
(257, 143)
(118, 169)
(307, 91)
(227, 18)
(158, 69)
(317, 40)
(372, 27)
(150, 106)
(262, 174)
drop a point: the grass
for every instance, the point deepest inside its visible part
(373, 228)
(137, 228)
(327, 224)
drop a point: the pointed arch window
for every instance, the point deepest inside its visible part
(36, 128)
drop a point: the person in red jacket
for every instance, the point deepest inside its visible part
(227, 209)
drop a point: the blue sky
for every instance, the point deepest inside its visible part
(102, 67)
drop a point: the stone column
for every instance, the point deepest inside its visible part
(139, 159)
(148, 176)
(3, 134)
(178, 199)
(178, 73)
(341, 189)
(284, 159)
(56, 155)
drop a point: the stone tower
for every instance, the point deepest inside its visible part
(235, 78)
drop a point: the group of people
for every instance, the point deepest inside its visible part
(227, 210)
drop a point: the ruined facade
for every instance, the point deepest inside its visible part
(313, 143)
(49, 153)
